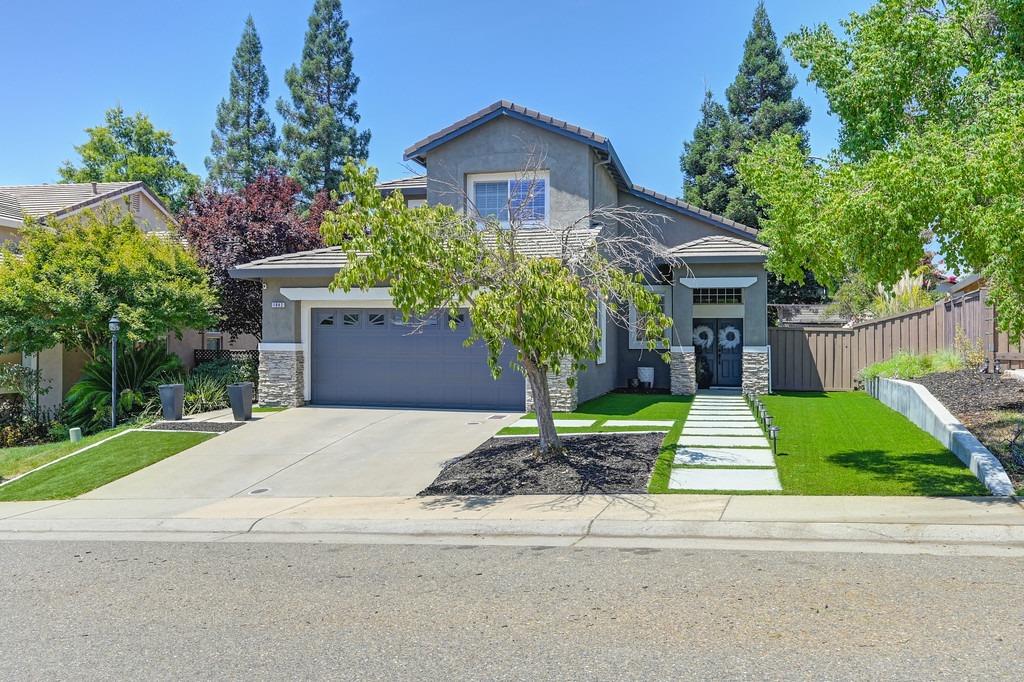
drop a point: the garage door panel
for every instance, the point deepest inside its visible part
(389, 363)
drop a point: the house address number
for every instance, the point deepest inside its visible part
(277, 304)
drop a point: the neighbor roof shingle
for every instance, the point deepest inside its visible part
(38, 201)
(9, 206)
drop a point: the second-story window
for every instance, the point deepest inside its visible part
(523, 198)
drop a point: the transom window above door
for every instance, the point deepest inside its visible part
(524, 197)
(717, 296)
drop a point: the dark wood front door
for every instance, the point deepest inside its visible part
(719, 347)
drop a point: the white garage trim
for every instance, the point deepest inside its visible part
(377, 297)
(280, 346)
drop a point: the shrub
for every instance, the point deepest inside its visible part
(972, 352)
(204, 393)
(907, 294)
(228, 371)
(904, 365)
(139, 370)
(21, 426)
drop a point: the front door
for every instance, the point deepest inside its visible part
(719, 347)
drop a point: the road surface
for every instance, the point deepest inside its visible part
(104, 610)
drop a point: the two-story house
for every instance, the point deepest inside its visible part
(353, 348)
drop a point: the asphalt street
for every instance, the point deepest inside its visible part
(103, 610)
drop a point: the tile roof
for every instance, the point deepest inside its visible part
(322, 262)
(9, 206)
(719, 245)
(685, 207)
(38, 201)
(417, 182)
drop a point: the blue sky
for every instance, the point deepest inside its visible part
(635, 72)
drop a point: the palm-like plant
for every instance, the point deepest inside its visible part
(139, 370)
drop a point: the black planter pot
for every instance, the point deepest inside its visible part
(240, 397)
(172, 401)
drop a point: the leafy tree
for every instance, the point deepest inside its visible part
(128, 149)
(225, 229)
(244, 140)
(320, 132)
(930, 97)
(438, 259)
(72, 275)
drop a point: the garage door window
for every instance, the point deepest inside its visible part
(376, 319)
(351, 319)
(325, 320)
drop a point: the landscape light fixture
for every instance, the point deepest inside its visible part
(114, 326)
(768, 420)
(774, 433)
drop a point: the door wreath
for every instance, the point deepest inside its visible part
(729, 337)
(703, 336)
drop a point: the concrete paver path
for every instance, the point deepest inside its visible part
(720, 446)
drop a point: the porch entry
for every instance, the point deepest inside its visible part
(718, 343)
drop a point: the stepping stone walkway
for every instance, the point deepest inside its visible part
(721, 435)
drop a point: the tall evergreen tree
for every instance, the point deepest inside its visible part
(320, 132)
(708, 159)
(760, 103)
(245, 141)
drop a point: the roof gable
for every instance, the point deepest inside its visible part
(720, 246)
(601, 145)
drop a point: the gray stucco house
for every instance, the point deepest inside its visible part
(336, 348)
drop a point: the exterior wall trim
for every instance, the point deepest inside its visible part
(755, 349)
(717, 282)
(682, 349)
(280, 346)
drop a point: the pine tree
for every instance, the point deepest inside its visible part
(707, 161)
(760, 103)
(245, 141)
(320, 132)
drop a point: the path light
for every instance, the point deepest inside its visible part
(999, 367)
(763, 412)
(114, 326)
(768, 421)
(774, 433)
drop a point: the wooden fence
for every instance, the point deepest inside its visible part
(829, 358)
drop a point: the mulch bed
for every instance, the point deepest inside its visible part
(218, 427)
(990, 405)
(591, 464)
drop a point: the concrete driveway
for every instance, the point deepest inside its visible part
(316, 452)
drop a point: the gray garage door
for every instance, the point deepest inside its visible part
(370, 357)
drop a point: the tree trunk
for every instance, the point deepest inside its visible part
(550, 443)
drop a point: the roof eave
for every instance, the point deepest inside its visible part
(298, 271)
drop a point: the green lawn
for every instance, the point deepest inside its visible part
(15, 461)
(100, 465)
(268, 408)
(618, 406)
(851, 444)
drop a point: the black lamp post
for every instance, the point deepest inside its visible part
(115, 326)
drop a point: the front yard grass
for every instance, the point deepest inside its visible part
(17, 460)
(851, 444)
(633, 406)
(101, 465)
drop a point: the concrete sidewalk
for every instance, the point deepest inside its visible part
(888, 524)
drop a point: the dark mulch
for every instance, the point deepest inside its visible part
(592, 464)
(991, 406)
(219, 427)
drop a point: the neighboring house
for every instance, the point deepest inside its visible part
(807, 314)
(353, 348)
(61, 367)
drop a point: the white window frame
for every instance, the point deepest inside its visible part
(474, 178)
(665, 290)
(602, 339)
(416, 203)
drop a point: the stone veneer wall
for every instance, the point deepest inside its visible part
(563, 397)
(755, 373)
(683, 372)
(281, 378)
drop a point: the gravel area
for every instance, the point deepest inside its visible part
(218, 427)
(991, 406)
(592, 464)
